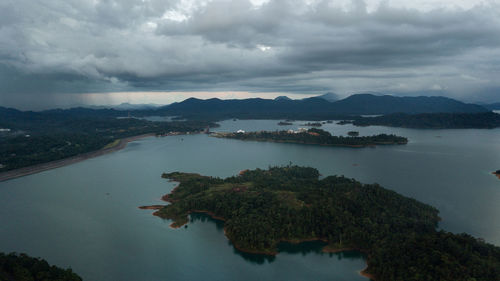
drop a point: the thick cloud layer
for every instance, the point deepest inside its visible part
(69, 47)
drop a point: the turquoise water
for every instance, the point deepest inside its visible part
(85, 215)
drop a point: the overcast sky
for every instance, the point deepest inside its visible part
(75, 51)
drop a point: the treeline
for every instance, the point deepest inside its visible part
(20, 151)
(316, 136)
(486, 120)
(21, 267)
(36, 138)
(263, 207)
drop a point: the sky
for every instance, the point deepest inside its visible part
(71, 52)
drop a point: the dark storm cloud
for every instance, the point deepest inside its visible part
(323, 37)
(50, 46)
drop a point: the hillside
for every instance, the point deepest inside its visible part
(386, 104)
(315, 108)
(493, 106)
(487, 120)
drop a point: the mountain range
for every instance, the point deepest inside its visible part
(316, 107)
(126, 106)
(331, 97)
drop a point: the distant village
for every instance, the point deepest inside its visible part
(175, 133)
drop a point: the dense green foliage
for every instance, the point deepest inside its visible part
(24, 268)
(313, 124)
(263, 207)
(434, 121)
(36, 138)
(20, 151)
(316, 136)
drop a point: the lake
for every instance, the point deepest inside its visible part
(85, 215)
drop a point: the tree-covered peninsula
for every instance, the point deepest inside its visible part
(32, 138)
(398, 234)
(315, 136)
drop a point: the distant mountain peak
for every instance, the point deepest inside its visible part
(282, 98)
(133, 106)
(331, 97)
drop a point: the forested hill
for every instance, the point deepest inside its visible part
(386, 104)
(487, 120)
(255, 108)
(315, 108)
(263, 207)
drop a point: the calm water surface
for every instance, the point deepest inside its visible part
(85, 215)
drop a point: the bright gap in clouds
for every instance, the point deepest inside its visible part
(185, 8)
(170, 97)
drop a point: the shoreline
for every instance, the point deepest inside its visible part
(151, 207)
(174, 225)
(25, 171)
(362, 272)
(372, 145)
(274, 253)
(366, 274)
(269, 252)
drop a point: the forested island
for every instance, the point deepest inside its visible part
(398, 234)
(315, 136)
(21, 267)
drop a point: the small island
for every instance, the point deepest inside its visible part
(261, 208)
(497, 173)
(315, 136)
(344, 122)
(313, 124)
